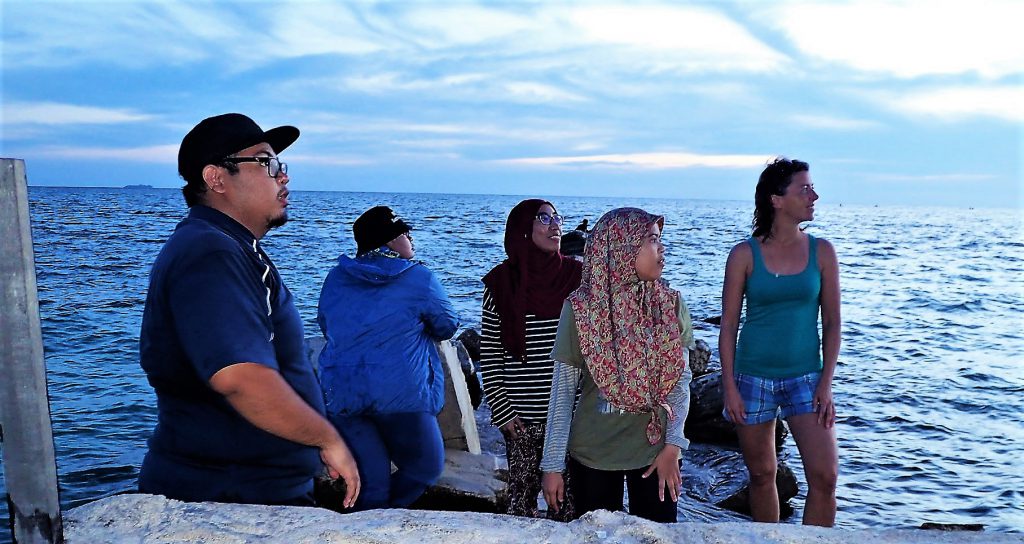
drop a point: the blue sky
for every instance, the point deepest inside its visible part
(891, 102)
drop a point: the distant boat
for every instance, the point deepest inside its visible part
(138, 186)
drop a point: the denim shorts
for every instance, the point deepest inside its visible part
(764, 399)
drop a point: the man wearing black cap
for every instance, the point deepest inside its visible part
(240, 413)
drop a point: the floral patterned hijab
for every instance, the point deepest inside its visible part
(628, 329)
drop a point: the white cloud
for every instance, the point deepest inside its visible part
(583, 147)
(907, 38)
(433, 143)
(160, 154)
(240, 36)
(442, 26)
(522, 91)
(168, 154)
(697, 38)
(461, 86)
(931, 177)
(132, 34)
(49, 113)
(379, 133)
(523, 43)
(646, 37)
(955, 103)
(328, 160)
(645, 161)
(316, 28)
(829, 122)
(386, 82)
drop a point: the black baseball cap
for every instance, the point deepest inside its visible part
(218, 137)
(376, 227)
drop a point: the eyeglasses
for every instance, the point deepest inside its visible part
(547, 219)
(274, 166)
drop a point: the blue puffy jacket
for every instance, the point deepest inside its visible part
(381, 316)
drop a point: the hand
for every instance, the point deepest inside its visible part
(824, 406)
(667, 466)
(554, 489)
(734, 404)
(340, 464)
(514, 427)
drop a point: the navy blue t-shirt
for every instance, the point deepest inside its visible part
(215, 299)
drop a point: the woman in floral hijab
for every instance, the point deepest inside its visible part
(623, 340)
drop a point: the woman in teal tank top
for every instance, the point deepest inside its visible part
(780, 366)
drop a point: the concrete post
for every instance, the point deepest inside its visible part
(28, 457)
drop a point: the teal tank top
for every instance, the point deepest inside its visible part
(779, 338)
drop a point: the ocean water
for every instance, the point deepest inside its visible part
(929, 389)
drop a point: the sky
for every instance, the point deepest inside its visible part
(891, 103)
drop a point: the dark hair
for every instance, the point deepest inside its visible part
(194, 189)
(773, 181)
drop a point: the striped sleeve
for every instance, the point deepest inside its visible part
(564, 383)
(492, 363)
(679, 400)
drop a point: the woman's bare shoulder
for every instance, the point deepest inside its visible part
(741, 251)
(825, 246)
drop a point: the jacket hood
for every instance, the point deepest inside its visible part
(374, 268)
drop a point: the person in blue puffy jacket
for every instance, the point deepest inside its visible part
(381, 313)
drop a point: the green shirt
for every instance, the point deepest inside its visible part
(602, 436)
(779, 338)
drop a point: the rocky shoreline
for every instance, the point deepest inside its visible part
(156, 520)
(465, 503)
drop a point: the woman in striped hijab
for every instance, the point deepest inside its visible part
(522, 299)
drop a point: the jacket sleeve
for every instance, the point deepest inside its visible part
(492, 364)
(439, 316)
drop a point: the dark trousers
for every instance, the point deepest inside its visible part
(524, 476)
(595, 489)
(412, 441)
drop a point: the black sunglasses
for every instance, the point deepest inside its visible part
(274, 166)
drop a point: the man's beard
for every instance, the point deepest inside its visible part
(278, 221)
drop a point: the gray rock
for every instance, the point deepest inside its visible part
(930, 526)
(314, 345)
(156, 520)
(470, 338)
(574, 243)
(718, 477)
(705, 422)
(469, 484)
(700, 359)
(491, 439)
(785, 482)
(476, 392)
